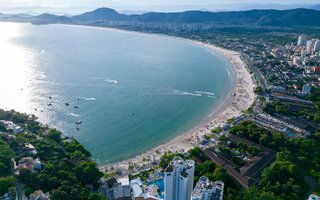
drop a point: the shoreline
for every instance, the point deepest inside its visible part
(240, 98)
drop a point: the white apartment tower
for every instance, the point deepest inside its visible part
(207, 190)
(311, 46)
(317, 46)
(178, 179)
(302, 41)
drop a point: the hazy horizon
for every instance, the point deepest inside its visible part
(140, 6)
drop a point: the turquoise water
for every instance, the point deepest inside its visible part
(134, 91)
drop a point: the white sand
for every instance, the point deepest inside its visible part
(240, 99)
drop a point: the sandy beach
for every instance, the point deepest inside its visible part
(240, 99)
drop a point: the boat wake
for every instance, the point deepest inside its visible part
(88, 99)
(205, 93)
(73, 115)
(184, 93)
(194, 94)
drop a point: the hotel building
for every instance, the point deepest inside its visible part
(207, 190)
(178, 179)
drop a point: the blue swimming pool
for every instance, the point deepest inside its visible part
(160, 184)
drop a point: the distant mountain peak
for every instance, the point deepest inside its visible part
(316, 7)
(285, 18)
(100, 14)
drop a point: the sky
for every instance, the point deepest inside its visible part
(145, 5)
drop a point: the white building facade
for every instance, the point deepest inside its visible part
(316, 46)
(207, 190)
(178, 179)
(311, 45)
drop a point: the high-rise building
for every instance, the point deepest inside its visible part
(207, 190)
(302, 40)
(306, 89)
(178, 179)
(310, 45)
(316, 46)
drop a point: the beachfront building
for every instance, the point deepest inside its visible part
(316, 46)
(178, 179)
(311, 45)
(207, 190)
(142, 192)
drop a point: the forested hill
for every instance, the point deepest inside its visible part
(34, 157)
(295, 17)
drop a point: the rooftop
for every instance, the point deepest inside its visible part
(204, 185)
(248, 175)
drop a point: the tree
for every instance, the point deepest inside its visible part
(72, 146)
(254, 194)
(6, 154)
(6, 183)
(258, 90)
(96, 196)
(68, 191)
(55, 135)
(29, 178)
(88, 173)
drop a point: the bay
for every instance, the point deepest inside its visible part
(134, 91)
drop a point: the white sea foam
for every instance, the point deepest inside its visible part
(206, 93)
(89, 98)
(183, 93)
(213, 97)
(229, 73)
(73, 115)
(111, 81)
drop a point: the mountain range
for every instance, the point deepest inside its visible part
(294, 17)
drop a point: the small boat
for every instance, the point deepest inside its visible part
(50, 104)
(67, 104)
(50, 97)
(76, 107)
(41, 111)
(36, 109)
(78, 128)
(79, 122)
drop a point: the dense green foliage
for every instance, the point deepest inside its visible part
(68, 171)
(294, 110)
(5, 159)
(6, 183)
(314, 96)
(236, 151)
(167, 158)
(296, 159)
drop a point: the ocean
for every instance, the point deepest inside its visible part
(131, 91)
